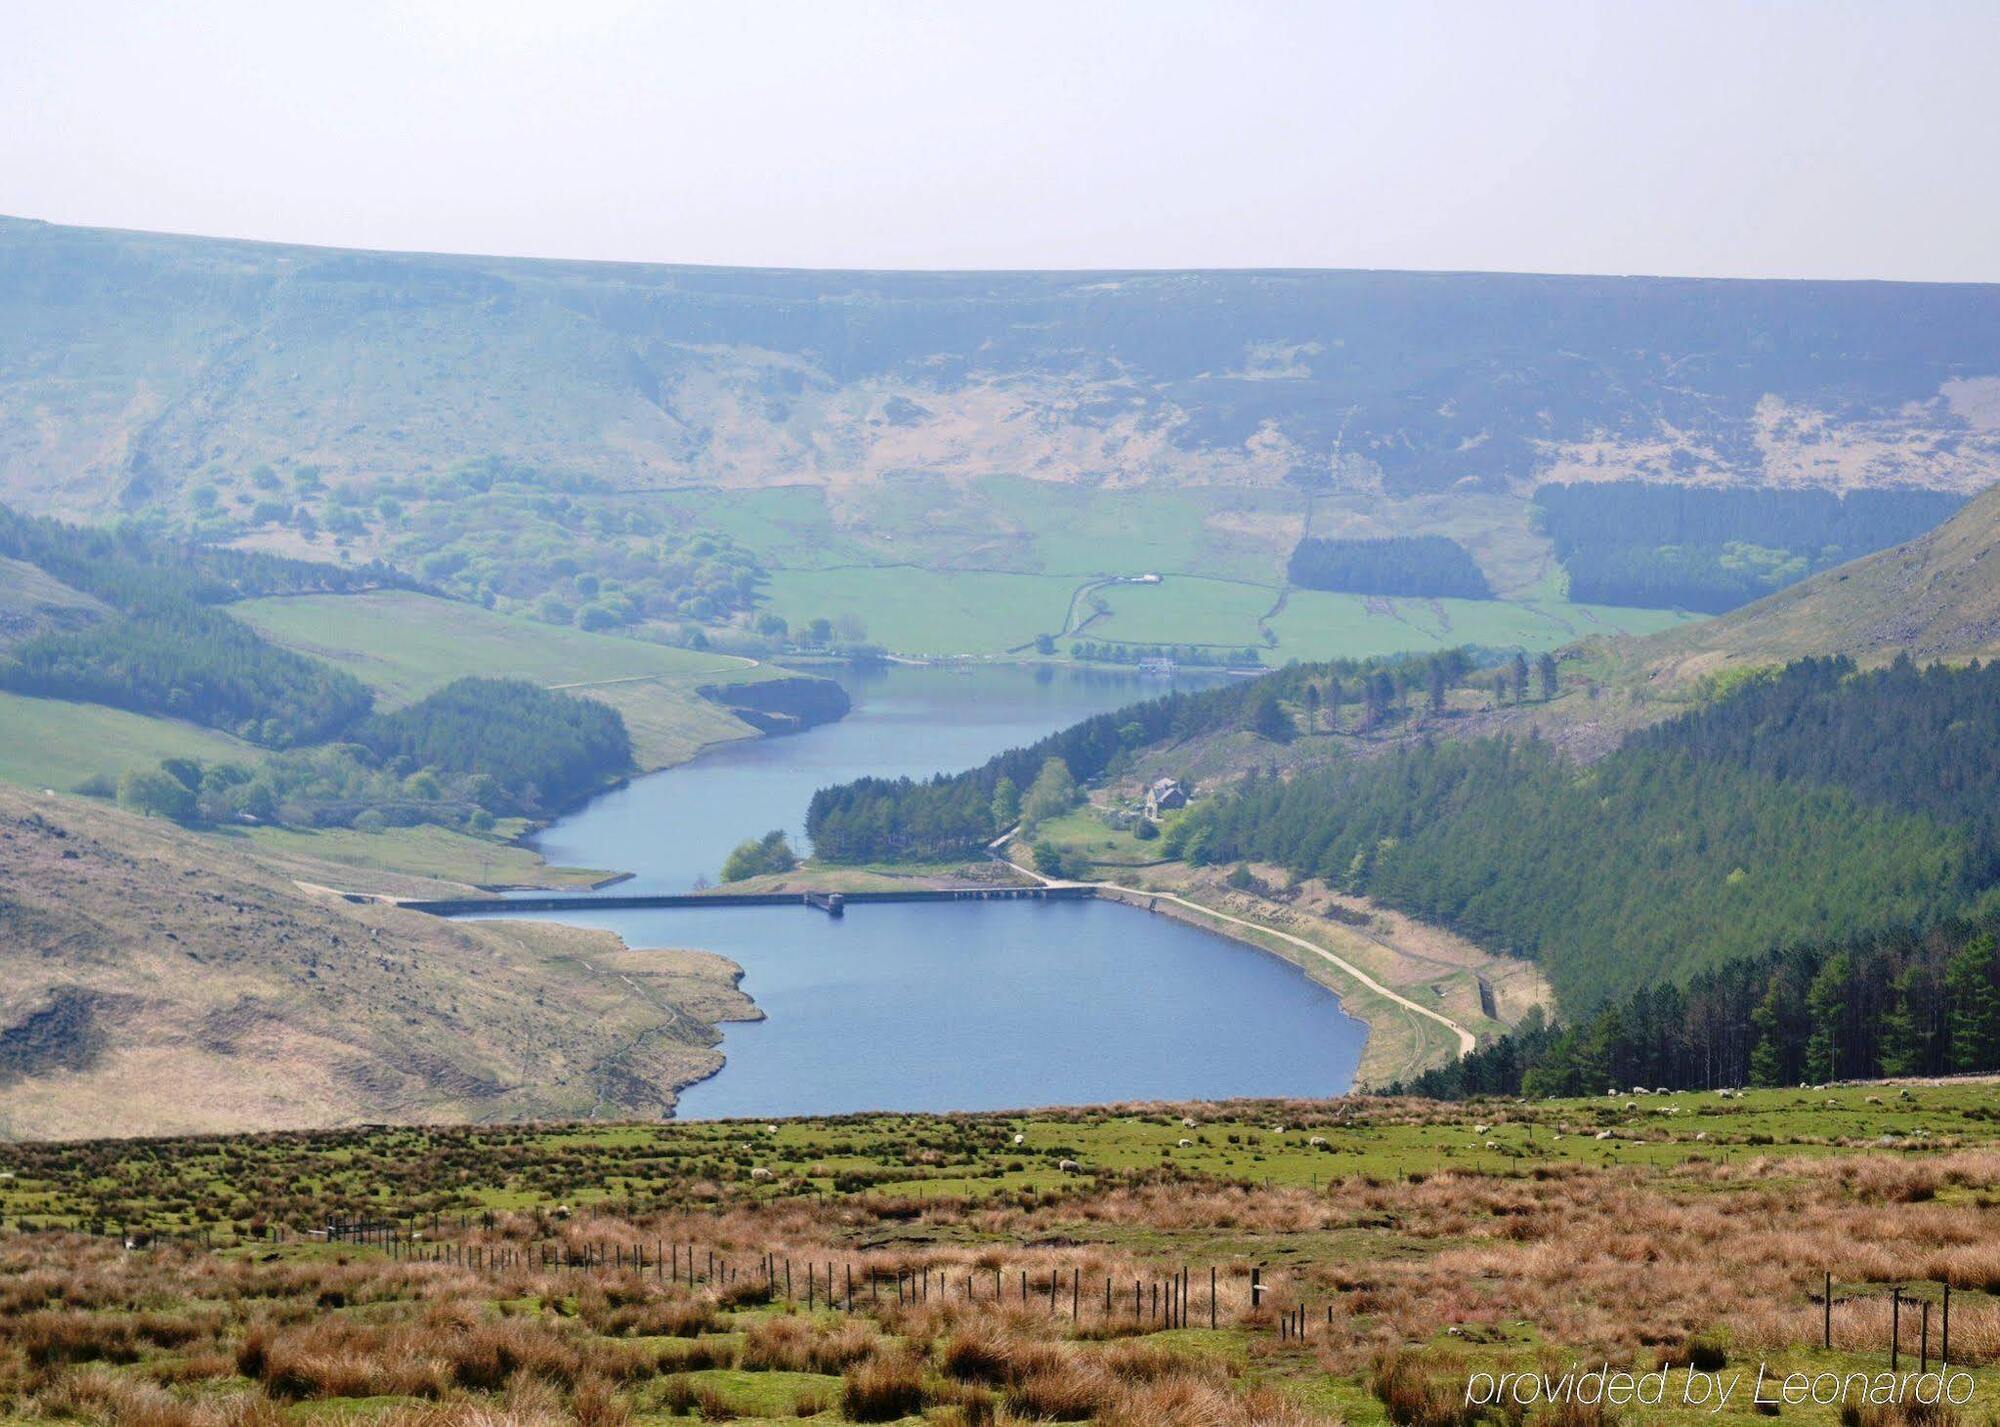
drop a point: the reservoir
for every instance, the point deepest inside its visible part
(953, 1006)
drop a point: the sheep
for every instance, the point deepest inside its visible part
(770, 1129)
(1482, 1129)
(1631, 1104)
(760, 1173)
(1493, 1144)
(1316, 1141)
(1701, 1134)
(1187, 1144)
(1020, 1139)
(1874, 1099)
(1069, 1166)
(1187, 1122)
(1604, 1134)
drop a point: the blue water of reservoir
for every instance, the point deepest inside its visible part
(948, 1006)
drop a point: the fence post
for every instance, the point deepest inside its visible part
(1895, 1325)
(1256, 1288)
(1211, 1296)
(1826, 1329)
(1924, 1339)
(1944, 1341)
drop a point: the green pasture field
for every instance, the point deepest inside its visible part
(50, 743)
(917, 612)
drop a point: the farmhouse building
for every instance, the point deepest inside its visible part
(1164, 796)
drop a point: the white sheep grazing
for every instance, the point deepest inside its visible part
(1701, 1134)
(1481, 1129)
(1631, 1104)
(1316, 1141)
(1187, 1122)
(1020, 1139)
(1874, 1099)
(1604, 1134)
(760, 1173)
(1187, 1144)
(1069, 1166)
(770, 1129)
(1493, 1144)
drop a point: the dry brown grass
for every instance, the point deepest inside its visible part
(1696, 1264)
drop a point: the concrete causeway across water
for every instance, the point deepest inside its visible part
(829, 902)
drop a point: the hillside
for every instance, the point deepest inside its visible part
(955, 462)
(153, 982)
(1934, 597)
(132, 361)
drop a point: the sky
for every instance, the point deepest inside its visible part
(1768, 139)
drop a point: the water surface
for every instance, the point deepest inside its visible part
(948, 1006)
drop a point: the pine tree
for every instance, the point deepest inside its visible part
(1435, 696)
(1975, 1008)
(1518, 675)
(1546, 668)
(1827, 1000)
(1312, 708)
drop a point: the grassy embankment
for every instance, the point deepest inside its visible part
(1423, 1243)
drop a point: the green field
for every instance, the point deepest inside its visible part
(48, 743)
(911, 611)
(1005, 523)
(927, 612)
(421, 851)
(406, 645)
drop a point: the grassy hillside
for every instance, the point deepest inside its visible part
(674, 447)
(152, 982)
(1935, 597)
(50, 743)
(408, 645)
(515, 1276)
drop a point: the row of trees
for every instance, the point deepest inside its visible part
(884, 819)
(1714, 548)
(1420, 565)
(1903, 1003)
(138, 569)
(1192, 656)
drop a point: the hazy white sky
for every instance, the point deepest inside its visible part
(1792, 139)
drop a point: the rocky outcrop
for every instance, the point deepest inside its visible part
(788, 705)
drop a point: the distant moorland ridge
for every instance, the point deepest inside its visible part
(132, 364)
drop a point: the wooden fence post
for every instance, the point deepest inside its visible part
(1826, 1326)
(1895, 1325)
